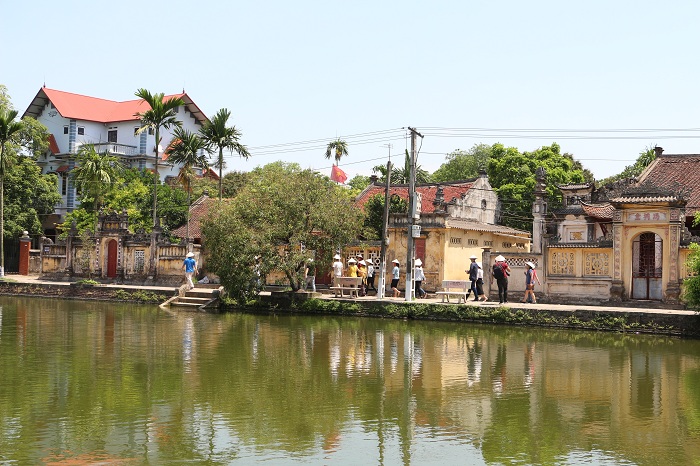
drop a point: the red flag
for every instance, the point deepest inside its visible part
(338, 175)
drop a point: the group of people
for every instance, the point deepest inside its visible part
(366, 270)
(501, 272)
(357, 267)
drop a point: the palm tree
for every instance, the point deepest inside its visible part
(403, 175)
(340, 147)
(8, 129)
(95, 173)
(187, 149)
(161, 115)
(217, 135)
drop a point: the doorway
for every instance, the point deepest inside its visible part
(112, 259)
(647, 260)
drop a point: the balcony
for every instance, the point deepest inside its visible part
(116, 149)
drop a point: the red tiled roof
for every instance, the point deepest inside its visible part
(671, 170)
(62, 169)
(82, 107)
(600, 211)
(450, 191)
(198, 211)
(53, 145)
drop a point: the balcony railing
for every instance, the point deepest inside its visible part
(116, 149)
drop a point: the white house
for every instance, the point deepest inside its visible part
(74, 119)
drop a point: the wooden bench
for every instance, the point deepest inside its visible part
(349, 284)
(457, 288)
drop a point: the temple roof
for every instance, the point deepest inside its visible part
(451, 190)
(668, 171)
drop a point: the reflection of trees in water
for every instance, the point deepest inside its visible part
(304, 384)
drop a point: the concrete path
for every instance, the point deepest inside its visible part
(432, 299)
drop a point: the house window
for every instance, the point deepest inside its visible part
(455, 240)
(139, 260)
(520, 245)
(81, 130)
(507, 245)
(64, 183)
(136, 131)
(112, 136)
(151, 131)
(65, 130)
(483, 204)
(176, 110)
(473, 242)
(488, 243)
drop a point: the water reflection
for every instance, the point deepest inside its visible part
(100, 382)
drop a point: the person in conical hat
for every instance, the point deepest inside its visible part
(190, 267)
(418, 279)
(337, 269)
(530, 278)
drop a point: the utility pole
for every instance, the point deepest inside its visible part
(411, 214)
(385, 228)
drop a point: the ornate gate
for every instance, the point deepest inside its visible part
(647, 258)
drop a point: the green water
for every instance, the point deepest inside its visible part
(87, 382)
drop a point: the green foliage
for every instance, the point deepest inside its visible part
(646, 156)
(512, 175)
(94, 175)
(87, 281)
(140, 296)
(402, 175)
(281, 209)
(463, 165)
(374, 214)
(337, 149)
(357, 184)
(691, 285)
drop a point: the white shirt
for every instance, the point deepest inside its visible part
(419, 276)
(338, 269)
(370, 270)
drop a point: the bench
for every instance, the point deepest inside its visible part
(349, 284)
(457, 288)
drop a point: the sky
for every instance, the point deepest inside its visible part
(605, 79)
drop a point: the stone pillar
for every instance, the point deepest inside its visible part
(486, 265)
(539, 211)
(25, 243)
(673, 287)
(617, 290)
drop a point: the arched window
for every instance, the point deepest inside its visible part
(483, 204)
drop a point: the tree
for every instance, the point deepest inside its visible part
(463, 165)
(691, 285)
(9, 129)
(358, 183)
(337, 149)
(161, 115)
(95, 173)
(374, 214)
(279, 219)
(187, 149)
(512, 175)
(646, 156)
(219, 136)
(402, 175)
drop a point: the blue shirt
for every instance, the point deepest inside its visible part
(190, 264)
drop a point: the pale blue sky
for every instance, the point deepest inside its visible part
(301, 71)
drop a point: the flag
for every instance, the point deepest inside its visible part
(338, 175)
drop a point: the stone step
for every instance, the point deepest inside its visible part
(193, 300)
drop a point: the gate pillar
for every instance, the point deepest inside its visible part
(25, 243)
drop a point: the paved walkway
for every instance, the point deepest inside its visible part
(430, 300)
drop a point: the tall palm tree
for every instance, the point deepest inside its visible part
(187, 149)
(219, 136)
(340, 148)
(161, 115)
(95, 173)
(8, 129)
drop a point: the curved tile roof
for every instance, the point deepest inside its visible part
(600, 211)
(676, 170)
(450, 190)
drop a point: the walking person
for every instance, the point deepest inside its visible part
(362, 273)
(500, 272)
(473, 272)
(419, 278)
(190, 267)
(530, 277)
(310, 275)
(395, 278)
(337, 267)
(370, 276)
(480, 283)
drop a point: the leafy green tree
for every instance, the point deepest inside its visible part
(9, 128)
(402, 175)
(374, 214)
(646, 156)
(161, 115)
(95, 174)
(187, 150)
(275, 222)
(219, 136)
(337, 149)
(463, 165)
(358, 183)
(512, 175)
(691, 285)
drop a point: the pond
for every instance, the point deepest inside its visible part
(92, 382)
